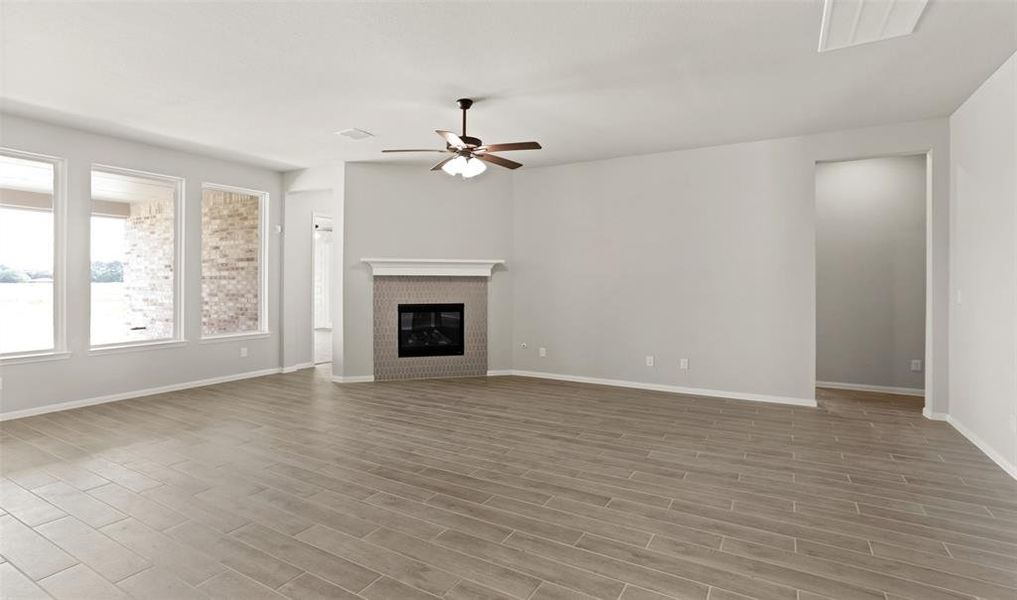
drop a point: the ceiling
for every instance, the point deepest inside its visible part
(270, 82)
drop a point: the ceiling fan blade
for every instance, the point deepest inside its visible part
(438, 166)
(507, 147)
(417, 150)
(497, 160)
(452, 139)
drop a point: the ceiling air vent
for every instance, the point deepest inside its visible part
(355, 134)
(853, 22)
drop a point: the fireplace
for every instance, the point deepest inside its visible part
(430, 330)
(407, 305)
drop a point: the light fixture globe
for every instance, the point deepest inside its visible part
(474, 166)
(455, 166)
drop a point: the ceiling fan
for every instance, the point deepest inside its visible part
(468, 154)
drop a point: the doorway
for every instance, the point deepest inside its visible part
(871, 276)
(321, 259)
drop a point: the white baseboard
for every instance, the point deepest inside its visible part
(657, 387)
(675, 389)
(353, 379)
(861, 387)
(986, 449)
(928, 413)
(49, 408)
(298, 367)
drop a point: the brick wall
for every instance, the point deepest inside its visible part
(230, 262)
(148, 269)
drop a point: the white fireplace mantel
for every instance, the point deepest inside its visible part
(432, 267)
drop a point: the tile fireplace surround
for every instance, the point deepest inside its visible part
(391, 291)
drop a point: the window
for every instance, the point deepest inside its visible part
(232, 261)
(134, 242)
(30, 286)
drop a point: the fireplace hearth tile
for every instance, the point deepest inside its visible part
(390, 292)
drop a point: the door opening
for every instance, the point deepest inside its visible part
(871, 278)
(322, 285)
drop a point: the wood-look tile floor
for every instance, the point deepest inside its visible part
(291, 486)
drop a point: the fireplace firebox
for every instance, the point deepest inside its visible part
(430, 329)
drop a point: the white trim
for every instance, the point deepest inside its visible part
(32, 357)
(933, 416)
(235, 337)
(657, 387)
(30, 412)
(432, 267)
(135, 347)
(930, 294)
(861, 387)
(353, 379)
(674, 389)
(986, 449)
(298, 367)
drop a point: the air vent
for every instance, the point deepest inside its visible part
(355, 134)
(854, 22)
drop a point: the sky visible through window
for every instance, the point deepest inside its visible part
(26, 288)
(107, 239)
(26, 239)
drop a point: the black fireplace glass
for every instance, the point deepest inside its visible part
(430, 329)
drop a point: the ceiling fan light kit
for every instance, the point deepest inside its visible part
(469, 154)
(467, 167)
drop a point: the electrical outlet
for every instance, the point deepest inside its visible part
(683, 364)
(523, 345)
(243, 352)
(649, 360)
(542, 352)
(916, 366)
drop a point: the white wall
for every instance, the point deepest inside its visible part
(707, 254)
(983, 316)
(323, 180)
(84, 376)
(870, 271)
(399, 211)
(299, 209)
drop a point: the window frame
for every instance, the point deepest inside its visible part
(263, 249)
(179, 336)
(59, 349)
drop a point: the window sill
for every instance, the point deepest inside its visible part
(17, 359)
(235, 337)
(135, 347)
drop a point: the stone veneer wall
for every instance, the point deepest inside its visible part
(148, 269)
(230, 262)
(390, 292)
